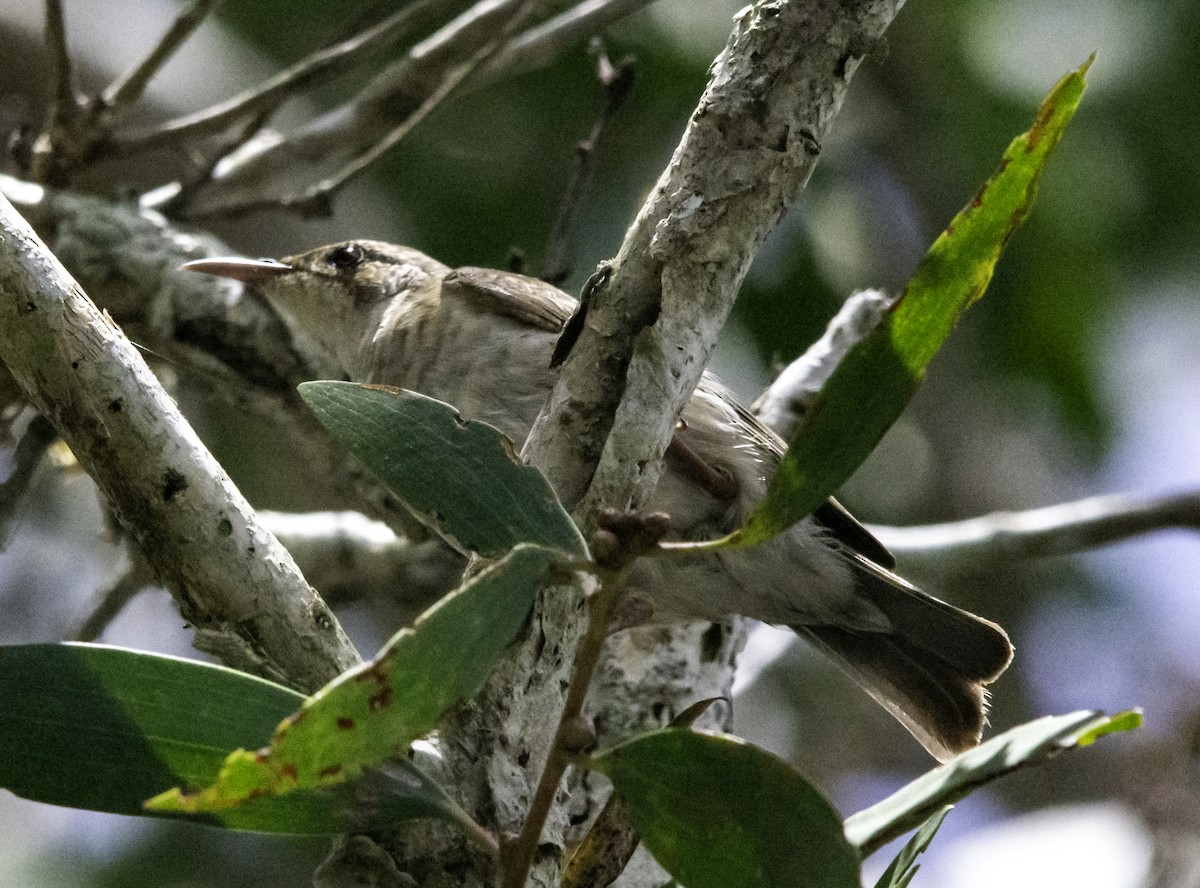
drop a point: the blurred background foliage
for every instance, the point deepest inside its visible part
(1077, 374)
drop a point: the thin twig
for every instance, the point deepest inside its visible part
(27, 456)
(322, 66)
(617, 81)
(60, 56)
(518, 855)
(65, 103)
(789, 397)
(130, 87)
(437, 60)
(181, 192)
(543, 43)
(620, 539)
(1053, 530)
(113, 600)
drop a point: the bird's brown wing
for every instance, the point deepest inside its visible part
(831, 514)
(534, 302)
(521, 298)
(850, 531)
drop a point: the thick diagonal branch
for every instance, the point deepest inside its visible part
(748, 150)
(231, 577)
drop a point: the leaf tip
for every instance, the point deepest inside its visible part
(1128, 720)
(173, 800)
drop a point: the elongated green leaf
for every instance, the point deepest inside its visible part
(870, 388)
(901, 870)
(103, 728)
(461, 478)
(1028, 744)
(717, 812)
(370, 714)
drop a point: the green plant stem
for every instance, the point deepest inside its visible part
(518, 856)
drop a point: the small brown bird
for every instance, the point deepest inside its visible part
(482, 341)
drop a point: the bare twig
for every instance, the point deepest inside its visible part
(619, 541)
(65, 104)
(115, 597)
(60, 56)
(617, 80)
(566, 746)
(317, 200)
(320, 67)
(542, 44)
(348, 557)
(27, 456)
(746, 153)
(789, 397)
(130, 87)
(383, 113)
(231, 577)
(1053, 530)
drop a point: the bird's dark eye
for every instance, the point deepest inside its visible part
(345, 256)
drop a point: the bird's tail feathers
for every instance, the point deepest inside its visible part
(930, 670)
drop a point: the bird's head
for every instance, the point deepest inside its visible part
(340, 297)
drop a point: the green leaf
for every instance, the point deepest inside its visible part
(717, 812)
(370, 714)
(901, 870)
(1028, 744)
(461, 478)
(103, 728)
(873, 383)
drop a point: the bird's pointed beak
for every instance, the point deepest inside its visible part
(248, 271)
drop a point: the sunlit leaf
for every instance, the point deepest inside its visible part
(462, 478)
(103, 728)
(717, 812)
(873, 383)
(372, 713)
(1028, 744)
(901, 870)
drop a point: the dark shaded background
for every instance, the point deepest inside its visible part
(1077, 374)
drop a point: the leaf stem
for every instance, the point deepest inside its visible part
(518, 855)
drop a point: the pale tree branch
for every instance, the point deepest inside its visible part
(350, 137)
(748, 150)
(231, 577)
(1063, 529)
(617, 81)
(317, 69)
(543, 43)
(789, 397)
